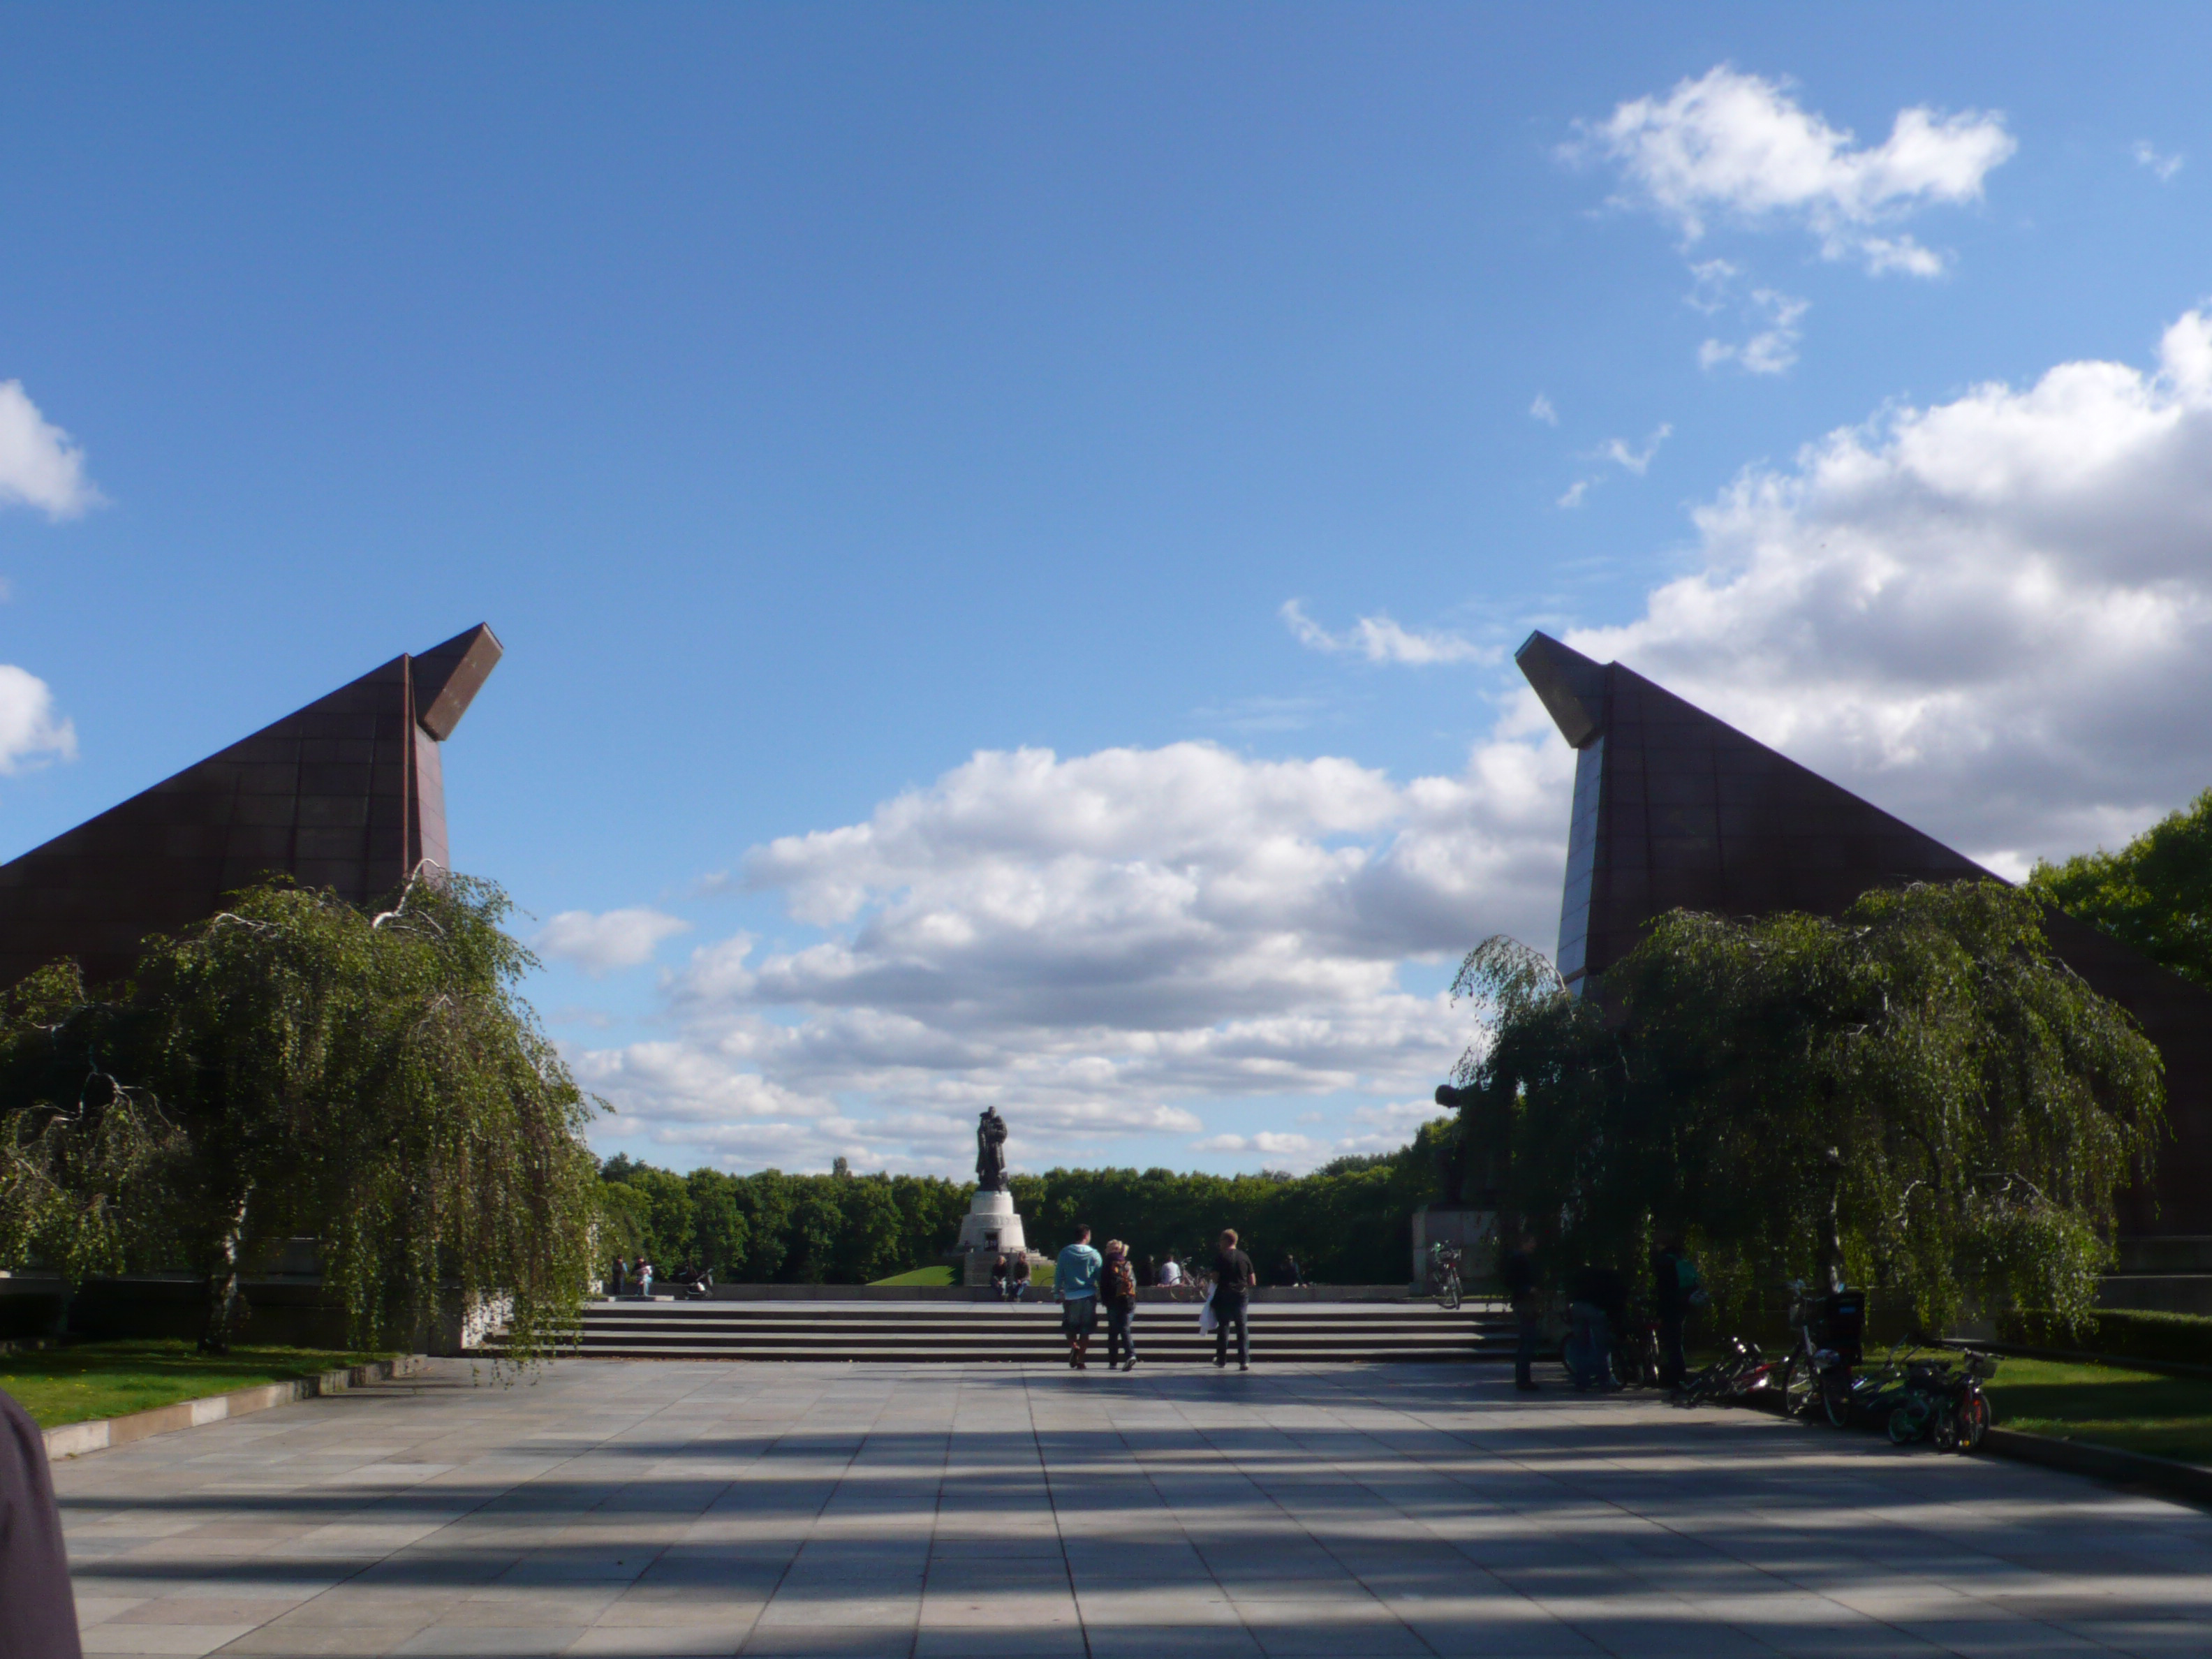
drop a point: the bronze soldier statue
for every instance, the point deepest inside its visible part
(990, 1151)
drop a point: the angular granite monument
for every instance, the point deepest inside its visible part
(1675, 810)
(346, 794)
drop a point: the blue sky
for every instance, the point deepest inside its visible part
(888, 440)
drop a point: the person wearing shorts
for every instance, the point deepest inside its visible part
(1075, 1278)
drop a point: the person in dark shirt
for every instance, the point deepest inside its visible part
(1233, 1280)
(1597, 1305)
(1670, 1304)
(1518, 1268)
(1117, 1288)
(38, 1611)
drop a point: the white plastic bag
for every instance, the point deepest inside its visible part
(1205, 1320)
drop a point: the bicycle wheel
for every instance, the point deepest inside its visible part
(1973, 1422)
(1800, 1387)
(1904, 1425)
(1836, 1398)
(1449, 1295)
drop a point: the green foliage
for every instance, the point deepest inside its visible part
(1918, 1093)
(2155, 893)
(1347, 1224)
(294, 1067)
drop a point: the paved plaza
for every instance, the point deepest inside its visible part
(636, 1508)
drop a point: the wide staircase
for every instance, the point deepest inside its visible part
(972, 1333)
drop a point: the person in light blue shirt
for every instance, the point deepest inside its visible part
(1075, 1278)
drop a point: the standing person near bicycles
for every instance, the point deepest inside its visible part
(1596, 1297)
(1518, 1270)
(1673, 1279)
(1233, 1280)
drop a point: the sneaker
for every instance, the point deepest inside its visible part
(1243, 1365)
(1528, 1387)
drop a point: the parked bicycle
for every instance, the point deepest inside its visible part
(1829, 1331)
(1742, 1375)
(1443, 1274)
(1637, 1361)
(1943, 1402)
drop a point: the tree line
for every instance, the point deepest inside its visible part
(1347, 1223)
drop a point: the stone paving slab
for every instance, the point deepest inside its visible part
(648, 1510)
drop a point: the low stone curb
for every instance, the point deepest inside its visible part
(2162, 1474)
(74, 1439)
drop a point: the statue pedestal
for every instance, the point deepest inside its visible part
(990, 1230)
(991, 1224)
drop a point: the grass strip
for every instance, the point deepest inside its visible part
(90, 1380)
(2107, 1406)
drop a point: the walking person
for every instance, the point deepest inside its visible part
(1518, 1270)
(1673, 1279)
(1233, 1280)
(1117, 1288)
(1075, 1278)
(615, 1283)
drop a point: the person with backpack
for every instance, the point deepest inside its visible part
(1117, 1288)
(1673, 1286)
(1233, 1280)
(1075, 1280)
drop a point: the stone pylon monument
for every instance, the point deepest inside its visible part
(991, 1228)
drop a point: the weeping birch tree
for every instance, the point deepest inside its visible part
(296, 1066)
(1917, 1096)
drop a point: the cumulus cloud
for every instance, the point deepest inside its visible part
(611, 940)
(1992, 615)
(1380, 640)
(40, 465)
(1094, 943)
(1740, 147)
(1268, 1140)
(31, 731)
(1772, 348)
(2149, 156)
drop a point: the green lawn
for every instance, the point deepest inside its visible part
(1040, 1276)
(112, 1379)
(2134, 1411)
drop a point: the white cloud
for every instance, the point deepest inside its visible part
(612, 939)
(1268, 1141)
(1623, 455)
(1094, 943)
(2147, 156)
(1638, 461)
(40, 466)
(1382, 641)
(1541, 410)
(1740, 147)
(1773, 347)
(1993, 615)
(31, 731)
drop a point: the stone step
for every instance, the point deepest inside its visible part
(1027, 1332)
